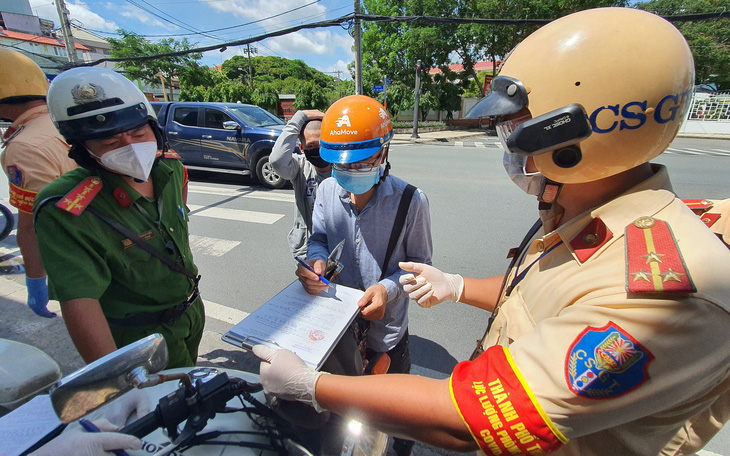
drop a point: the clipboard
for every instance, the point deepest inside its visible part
(309, 325)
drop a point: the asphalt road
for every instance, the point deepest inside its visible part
(238, 234)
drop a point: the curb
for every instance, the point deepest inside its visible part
(404, 138)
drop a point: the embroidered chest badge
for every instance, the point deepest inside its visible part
(606, 362)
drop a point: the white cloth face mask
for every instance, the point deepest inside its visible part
(134, 160)
(530, 183)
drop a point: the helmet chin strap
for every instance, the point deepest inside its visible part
(549, 194)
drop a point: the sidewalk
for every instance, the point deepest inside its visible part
(459, 135)
(441, 136)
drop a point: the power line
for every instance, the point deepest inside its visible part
(178, 24)
(343, 20)
(223, 28)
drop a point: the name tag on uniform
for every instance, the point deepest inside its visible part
(147, 235)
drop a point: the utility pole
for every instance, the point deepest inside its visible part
(68, 38)
(250, 68)
(358, 51)
(419, 66)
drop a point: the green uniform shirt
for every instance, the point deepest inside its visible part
(86, 258)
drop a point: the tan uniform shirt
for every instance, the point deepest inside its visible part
(35, 154)
(572, 307)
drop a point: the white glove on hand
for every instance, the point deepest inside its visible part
(429, 286)
(118, 411)
(285, 375)
(74, 441)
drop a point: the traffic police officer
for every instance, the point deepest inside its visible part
(34, 155)
(113, 234)
(610, 332)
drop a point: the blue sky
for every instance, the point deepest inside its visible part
(326, 49)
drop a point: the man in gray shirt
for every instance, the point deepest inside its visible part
(305, 171)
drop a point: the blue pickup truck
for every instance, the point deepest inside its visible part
(223, 137)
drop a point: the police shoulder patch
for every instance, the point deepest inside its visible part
(15, 176)
(606, 362)
(81, 196)
(653, 260)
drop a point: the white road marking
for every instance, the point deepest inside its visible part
(706, 453)
(685, 151)
(235, 214)
(242, 192)
(479, 144)
(14, 260)
(211, 246)
(722, 151)
(223, 313)
(459, 143)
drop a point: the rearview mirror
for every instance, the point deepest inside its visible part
(106, 378)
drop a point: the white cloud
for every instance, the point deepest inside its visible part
(317, 42)
(78, 12)
(339, 66)
(132, 12)
(259, 9)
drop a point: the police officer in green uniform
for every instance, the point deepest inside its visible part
(113, 234)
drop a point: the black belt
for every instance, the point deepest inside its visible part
(163, 317)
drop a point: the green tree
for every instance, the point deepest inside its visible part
(195, 93)
(708, 40)
(200, 75)
(266, 97)
(310, 96)
(154, 71)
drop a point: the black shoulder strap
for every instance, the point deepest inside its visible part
(400, 220)
(139, 242)
(536, 226)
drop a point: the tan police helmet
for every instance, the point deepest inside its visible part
(20, 76)
(631, 70)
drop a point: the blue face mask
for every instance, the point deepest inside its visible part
(357, 182)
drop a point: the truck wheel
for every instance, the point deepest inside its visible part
(266, 174)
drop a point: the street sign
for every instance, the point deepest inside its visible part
(387, 81)
(378, 88)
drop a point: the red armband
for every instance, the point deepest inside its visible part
(499, 409)
(22, 199)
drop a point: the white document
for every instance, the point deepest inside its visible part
(309, 325)
(26, 425)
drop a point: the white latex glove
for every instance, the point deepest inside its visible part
(429, 286)
(285, 375)
(75, 441)
(119, 410)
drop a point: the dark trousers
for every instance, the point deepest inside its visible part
(400, 363)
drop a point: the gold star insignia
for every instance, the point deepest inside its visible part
(653, 256)
(672, 276)
(641, 275)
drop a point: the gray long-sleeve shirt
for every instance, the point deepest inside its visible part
(293, 166)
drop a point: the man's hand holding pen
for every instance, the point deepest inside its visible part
(310, 278)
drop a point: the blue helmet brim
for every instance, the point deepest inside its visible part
(340, 153)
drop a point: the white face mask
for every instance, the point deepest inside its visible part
(530, 183)
(134, 160)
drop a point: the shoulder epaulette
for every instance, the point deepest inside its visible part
(653, 260)
(77, 199)
(698, 206)
(702, 208)
(168, 154)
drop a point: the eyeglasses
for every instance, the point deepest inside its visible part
(361, 166)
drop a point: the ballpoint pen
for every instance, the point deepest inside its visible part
(91, 427)
(306, 265)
